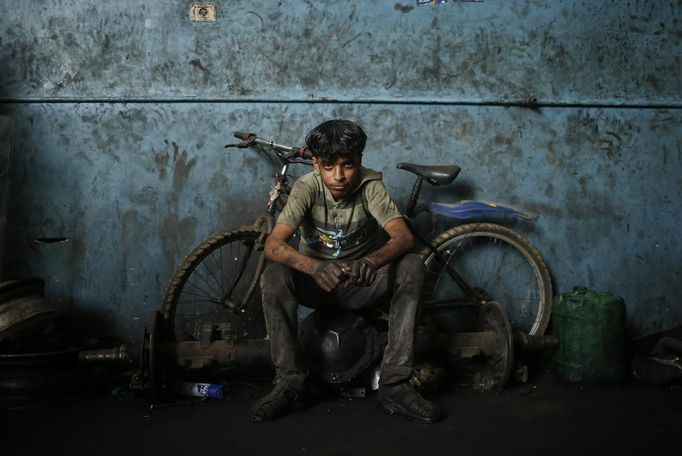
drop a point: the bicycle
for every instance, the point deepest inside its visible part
(468, 265)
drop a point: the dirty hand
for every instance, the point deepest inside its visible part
(328, 275)
(361, 273)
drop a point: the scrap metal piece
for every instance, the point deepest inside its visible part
(123, 354)
(501, 363)
(529, 342)
(220, 353)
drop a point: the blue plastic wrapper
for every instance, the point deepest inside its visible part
(211, 390)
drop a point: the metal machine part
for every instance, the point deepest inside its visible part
(494, 345)
(501, 358)
(530, 342)
(339, 346)
(123, 354)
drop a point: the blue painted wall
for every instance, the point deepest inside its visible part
(121, 111)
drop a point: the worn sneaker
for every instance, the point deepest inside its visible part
(402, 399)
(283, 399)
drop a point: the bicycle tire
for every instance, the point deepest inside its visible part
(220, 273)
(486, 255)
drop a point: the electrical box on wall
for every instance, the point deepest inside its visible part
(203, 12)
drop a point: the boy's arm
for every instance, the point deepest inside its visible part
(362, 272)
(387, 214)
(327, 274)
(401, 242)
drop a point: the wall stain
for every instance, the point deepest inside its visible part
(174, 233)
(147, 196)
(181, 166)
(161, 163)
(196, 63)
(176, 159)
(129, 223)
(403, 8)
(611, 145)
(218, 184)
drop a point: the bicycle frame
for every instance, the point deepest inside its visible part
(266, 222)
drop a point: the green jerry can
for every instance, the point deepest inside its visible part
(591, 331)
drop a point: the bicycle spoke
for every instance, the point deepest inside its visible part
(218, 280)
(499, 266)
(219, 269)
(222, 276)
(449, 255)
(194, 316)
(499, 262)
(195, 301)
(242, 268)
(478, 269)
(191, 282)
(203, 295)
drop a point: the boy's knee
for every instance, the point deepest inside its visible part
(410, 268)
(276, 277)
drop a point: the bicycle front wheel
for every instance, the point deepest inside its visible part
(496, 263)
(216, 278)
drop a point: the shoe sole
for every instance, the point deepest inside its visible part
(297, 407)
(395, 409)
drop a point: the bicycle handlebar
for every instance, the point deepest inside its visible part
(291, 154)
(243, 136)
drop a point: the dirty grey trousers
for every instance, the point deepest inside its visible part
(284, 289)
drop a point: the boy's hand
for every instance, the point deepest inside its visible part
(361, 273)
(328, 275)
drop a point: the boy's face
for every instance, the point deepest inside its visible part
(340, 176)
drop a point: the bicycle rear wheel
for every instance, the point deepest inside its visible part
(217, 277)
(495, 262)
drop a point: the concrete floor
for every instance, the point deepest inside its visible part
(543, 416)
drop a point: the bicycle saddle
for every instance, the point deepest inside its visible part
(436, 175)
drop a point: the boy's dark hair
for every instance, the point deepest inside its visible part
(336, 138)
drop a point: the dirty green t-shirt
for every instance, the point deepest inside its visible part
(339, 229)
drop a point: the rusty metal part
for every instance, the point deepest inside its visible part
(191, 355)
(529, 342)
(494, 344)
(160, 359)
(45, 350)
(148, 376)
(218, 347)
(501, 362)
(123, 354)
(470, 344)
